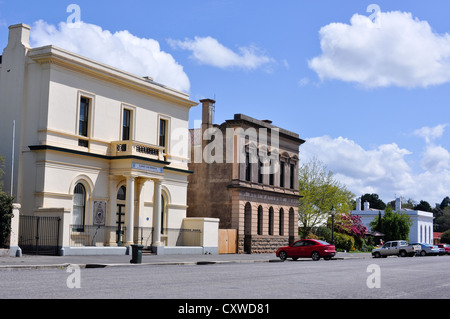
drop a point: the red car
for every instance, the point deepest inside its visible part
(307, 248)
(446, 248)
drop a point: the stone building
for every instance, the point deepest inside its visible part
(245, 172)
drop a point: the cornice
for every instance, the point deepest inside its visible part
(56, 56)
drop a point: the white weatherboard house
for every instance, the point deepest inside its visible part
(103, 151)
(421, 230)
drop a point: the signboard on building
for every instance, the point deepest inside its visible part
(147, 168)
(99, 213)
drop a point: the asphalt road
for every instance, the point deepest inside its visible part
(390, 278)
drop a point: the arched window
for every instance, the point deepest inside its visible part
(260, 220)
(79, 207)
(281, 222)
(271, 221)
(122, 193)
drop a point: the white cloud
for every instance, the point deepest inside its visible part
(209, 51)
(303, 82)
(384, 170)
(435, 159)
(431, 133)
(398, 51)
(123, 50)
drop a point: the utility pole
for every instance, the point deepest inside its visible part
(12, 156)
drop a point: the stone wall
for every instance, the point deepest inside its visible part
(262, 244)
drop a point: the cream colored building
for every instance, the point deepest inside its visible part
(97, 147)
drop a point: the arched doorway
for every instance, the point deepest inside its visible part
(120, 219)
(248, 228)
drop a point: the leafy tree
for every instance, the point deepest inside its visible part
(374, 201)
(377, 225)
(320, 192)
(395, 225)
(445, 237)
(423, 206)
(350, 224)
(443, 221)
(445, 203)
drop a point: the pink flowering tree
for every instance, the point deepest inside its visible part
(350, 224)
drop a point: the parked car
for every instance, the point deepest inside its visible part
(427, 250)
(307, 248)
(396, 248)
(446, 248)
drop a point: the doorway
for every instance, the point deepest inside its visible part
(120, 215)
(248, 228)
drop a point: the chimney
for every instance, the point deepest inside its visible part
(19, 34)
(398, 204)
(207, 113)
(358, 203)
(366, 205)
(207, 118)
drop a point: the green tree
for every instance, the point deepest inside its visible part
(374, 201)
(423, 206)
(6, 206)
(445, 237)
(443, 221)
(320, 192)
(394, 225)
(445, 202)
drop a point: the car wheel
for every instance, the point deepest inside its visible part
(315, 256)
(283, 255)
(403, 253)
(423, 253)
(377, 255)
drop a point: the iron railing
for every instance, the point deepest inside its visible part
(98, 235)
(39, 235)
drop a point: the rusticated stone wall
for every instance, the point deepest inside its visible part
(262, 244)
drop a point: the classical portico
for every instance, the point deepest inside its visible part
(130, 179)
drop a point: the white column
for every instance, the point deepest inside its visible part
(157, 214)
(130, 211)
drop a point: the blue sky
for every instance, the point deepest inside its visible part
(369, 93)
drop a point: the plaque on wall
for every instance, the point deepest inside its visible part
(99, 213)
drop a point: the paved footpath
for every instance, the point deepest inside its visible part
(42, 262)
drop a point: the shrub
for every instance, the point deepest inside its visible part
(6, 206)
(344, 241)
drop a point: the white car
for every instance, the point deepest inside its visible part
(396, 248)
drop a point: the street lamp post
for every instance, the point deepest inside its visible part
(333, 213)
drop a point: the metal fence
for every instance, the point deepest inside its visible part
(95, 235)
(39, 235)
